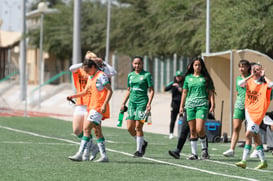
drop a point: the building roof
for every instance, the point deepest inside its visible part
(9, 38)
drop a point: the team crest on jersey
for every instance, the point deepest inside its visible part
(141, 78)
(201, 79)
(190, 79)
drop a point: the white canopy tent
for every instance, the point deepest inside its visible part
(223, 68)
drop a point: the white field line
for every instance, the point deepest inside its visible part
(230, 164)
(128, 154)
(39, 143)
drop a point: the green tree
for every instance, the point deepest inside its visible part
(161, 28)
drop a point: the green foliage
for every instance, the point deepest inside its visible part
(161, 28)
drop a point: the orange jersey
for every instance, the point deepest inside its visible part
(80, 80)
(257, 100)
(97, 96)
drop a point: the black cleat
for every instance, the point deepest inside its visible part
(193, 157)
(205, 154)
(144, 146)
(174, 154)
(137, 154)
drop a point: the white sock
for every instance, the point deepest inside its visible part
(102, 149)
(88, 147)
(82, 146)
(194, 147)
(261, 154)
(246, 152)
(260, 151)
(203, 142)
(140, 141)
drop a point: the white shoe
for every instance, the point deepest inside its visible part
(171, 136)
(254, 154)
(94, 151)
(103, 159)
(76, 157)
(229, 153)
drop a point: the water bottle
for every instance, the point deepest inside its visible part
(149, 121)
(120, 116)
(180, 121)
(148, 118)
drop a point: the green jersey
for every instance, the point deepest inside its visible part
(139, 84)
(197, 91)
(241, 92)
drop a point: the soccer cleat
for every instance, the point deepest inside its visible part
(254, 154)
(171, 136)
(174, 154)
(85, 156)
(94, 151)
(193, 157)
(205, 154)
(76, 157)
(229, 153)
(241, 164)
(103, 159)
(262, 165)
(144, 146)
(137, 154)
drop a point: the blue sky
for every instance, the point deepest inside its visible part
(10, 14)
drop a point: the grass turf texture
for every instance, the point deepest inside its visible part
(30, 156)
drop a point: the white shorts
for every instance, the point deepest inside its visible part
(95, 117)
(80, 110)
(251, 126)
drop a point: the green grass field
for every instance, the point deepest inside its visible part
(37, 149)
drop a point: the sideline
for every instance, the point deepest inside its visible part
(128, 154)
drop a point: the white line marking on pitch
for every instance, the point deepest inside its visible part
(39, 143)
(230, 164)
(128, 154)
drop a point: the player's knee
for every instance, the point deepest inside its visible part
(237, 129)
(77, 131)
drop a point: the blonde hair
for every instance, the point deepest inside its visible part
(90, 54)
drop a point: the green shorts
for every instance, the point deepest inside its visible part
(197, 112)
(136, 112)
(239, 114)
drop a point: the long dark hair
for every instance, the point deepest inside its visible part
(204, 72)
(181, 82)
(245, 62)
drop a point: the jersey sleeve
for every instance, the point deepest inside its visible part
(185, 85)
(150, 80)
(128, 80)
(103, 79)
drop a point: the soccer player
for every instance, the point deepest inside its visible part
(100, 91)
(198, 91)
(239, 107)
(80, 79)
(139, 82)
(257, 100)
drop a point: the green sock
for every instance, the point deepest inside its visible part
(80, 135)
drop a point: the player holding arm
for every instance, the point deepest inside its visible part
(257, 100)
(100, 91)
